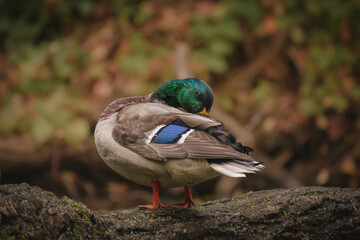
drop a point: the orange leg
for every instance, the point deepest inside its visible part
(188, 201)
(156, 199)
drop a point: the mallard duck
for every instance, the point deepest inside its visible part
(167, 139)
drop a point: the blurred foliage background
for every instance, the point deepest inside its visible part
(285, 76)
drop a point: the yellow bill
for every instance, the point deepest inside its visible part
(204, 112)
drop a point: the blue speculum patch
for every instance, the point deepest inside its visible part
(169, 134)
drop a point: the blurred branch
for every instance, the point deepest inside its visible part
(181, 60)
(276, 173)
(272, 170)
(22, 150)
(241, 133)
(244, 75)
(114, 45)
(55, 159)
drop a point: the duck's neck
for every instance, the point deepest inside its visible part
(120, 103)
(168, 93)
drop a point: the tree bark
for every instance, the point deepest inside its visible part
(28, 212)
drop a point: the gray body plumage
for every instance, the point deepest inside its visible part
(124, 134)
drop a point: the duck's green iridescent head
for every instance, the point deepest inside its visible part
(191, 94)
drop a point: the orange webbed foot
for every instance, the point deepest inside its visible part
(181, 205)
(188, 202)
(152, 207)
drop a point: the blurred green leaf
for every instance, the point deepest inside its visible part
(339, 103)
(42, 129)
(226, 103)
(355, 92)
(250, 10)
(10, 114)
(310, 107)
(126, 10)
(144, 14)
(55, 113)
(263, 91)
(76, 132)
(214, 62)
(135, 63)
(220, 47)
(297, 35)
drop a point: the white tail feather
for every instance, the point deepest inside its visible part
(221, 169)
(236, 168)
(250, 167)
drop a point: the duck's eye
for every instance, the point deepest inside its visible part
(198, 95)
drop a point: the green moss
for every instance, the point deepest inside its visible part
(13, 232)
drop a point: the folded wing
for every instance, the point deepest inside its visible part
(169, 133)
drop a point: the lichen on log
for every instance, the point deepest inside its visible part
(28, 212)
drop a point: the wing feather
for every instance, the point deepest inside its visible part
(200, 144)
(148, 116)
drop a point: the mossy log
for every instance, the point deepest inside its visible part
(28, 212)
